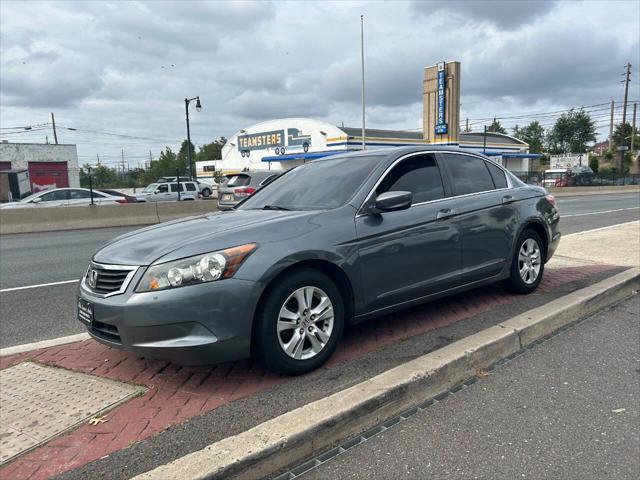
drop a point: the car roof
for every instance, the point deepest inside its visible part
(399, 151)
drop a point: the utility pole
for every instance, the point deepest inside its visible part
(624, 117)
(53, 122)
(484, 143)
(611, 127)
(123, 163)
(633, 127)
(466, 128)
(364, 145)
(98, 158)
(635, 168)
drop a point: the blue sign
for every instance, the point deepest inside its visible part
(441, 125)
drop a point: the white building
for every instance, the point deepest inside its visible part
(49, 165)
(286, 142)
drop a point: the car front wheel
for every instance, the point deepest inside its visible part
(300, 323)
(527, 265)
(206, 192)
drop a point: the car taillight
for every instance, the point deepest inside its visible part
(551, 199)
(243, 192)
(121, 200)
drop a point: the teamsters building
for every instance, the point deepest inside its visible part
(286, 142)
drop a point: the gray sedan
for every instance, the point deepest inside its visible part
(329, 243)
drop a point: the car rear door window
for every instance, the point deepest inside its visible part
(419, 175)
(174, 187)
(80, 194)
(498, 176)
(468, 174)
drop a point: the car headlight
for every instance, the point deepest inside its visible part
(207, 267)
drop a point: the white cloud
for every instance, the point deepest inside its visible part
(127, 66)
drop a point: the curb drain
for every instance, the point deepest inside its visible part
(318, 460)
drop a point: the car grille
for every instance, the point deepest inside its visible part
(108, 279)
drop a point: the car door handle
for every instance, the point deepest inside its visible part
(445, 213)
(508, 199)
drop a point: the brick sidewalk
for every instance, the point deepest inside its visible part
(179, 393)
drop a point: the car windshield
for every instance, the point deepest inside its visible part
(30, 197)
(150, 188)
(318, 185)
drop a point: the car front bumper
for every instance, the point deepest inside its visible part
(192, 325)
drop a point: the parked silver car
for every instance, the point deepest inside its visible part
(64, 197)
(168, 192)
(242, 185)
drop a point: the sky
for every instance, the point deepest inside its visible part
(118, 72)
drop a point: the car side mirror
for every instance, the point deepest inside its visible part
(392, 201)
(37, 200)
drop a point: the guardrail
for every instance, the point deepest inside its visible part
(49, 219)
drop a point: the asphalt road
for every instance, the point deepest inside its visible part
(568, 408)
(43, 312)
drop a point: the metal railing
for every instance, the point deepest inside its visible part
(579, 180)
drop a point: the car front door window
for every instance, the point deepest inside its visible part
(419, 175)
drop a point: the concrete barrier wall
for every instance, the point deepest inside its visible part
(48, 219)
(574, 191)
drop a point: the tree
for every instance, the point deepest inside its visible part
(164, 166)
(211, 151)
(495, 127)
(622, 135)
(571, 133)
(533, 134)
(103, 176)
(183, 159)
(594, 164)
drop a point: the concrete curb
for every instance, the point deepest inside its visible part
(315, 427)
(54, 342)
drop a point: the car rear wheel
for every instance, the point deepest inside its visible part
(300, 323)
(527, 266)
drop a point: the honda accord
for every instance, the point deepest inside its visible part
(329, 243)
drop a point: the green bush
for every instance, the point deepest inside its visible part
(594, 163)
(606, 170)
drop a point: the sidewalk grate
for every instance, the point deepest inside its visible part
(38, 403)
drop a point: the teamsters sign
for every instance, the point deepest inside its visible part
(262, 140)
(441, 125)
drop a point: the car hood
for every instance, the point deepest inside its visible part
(192, 236)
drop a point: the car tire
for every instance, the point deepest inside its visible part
(206, 193)
(311, 340)
(527, 266)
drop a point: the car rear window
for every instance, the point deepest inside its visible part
(499, 179)
(239, 181)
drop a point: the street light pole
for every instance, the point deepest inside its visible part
(186, 111)
(364, 144)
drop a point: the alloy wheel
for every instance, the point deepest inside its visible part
(529, 261)
(305, 323)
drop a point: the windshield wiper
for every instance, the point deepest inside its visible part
(275, 207)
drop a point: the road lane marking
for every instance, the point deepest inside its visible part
(596, 213)
(27, 347)
(13, 289)
(608, 227)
